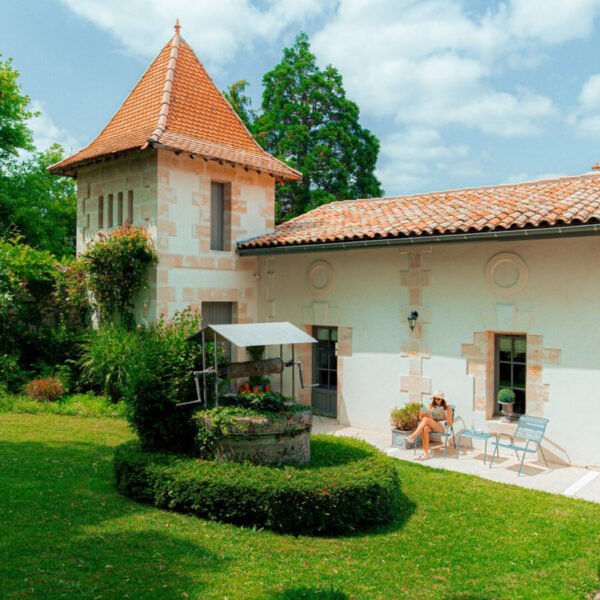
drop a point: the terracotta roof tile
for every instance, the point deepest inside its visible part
(545, 203)
(176, 105)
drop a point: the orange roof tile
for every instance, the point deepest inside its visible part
(176, 105)
(565, 201)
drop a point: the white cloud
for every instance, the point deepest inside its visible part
(410, 157)
(552, 21)
(428, 63)
(586, 117)
(218, 30)
(46, 132)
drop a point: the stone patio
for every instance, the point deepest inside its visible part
(576, 482)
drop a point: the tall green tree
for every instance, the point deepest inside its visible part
(307, 121)
(15, 135)
(237, 96)
(35, 207)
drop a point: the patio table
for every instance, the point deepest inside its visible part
(475, 434)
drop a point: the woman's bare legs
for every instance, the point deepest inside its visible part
(426, 426)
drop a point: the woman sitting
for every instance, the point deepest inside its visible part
(434, 420)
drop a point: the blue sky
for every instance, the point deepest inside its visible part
(460, 93)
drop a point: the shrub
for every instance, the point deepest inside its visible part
(49, 389)
(108, 356)
(117, 265)
(163, 377)
(262, 401)
(506, 396)
(11, 374)
(405, 418)
(348, 486)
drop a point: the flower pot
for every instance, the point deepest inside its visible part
(399, 438)
(507, 410)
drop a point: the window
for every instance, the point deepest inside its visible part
(217, 313)
(110, 210)
(217, 216)
(130, 207)
(101, 212)
(120, 208)
(511, 369)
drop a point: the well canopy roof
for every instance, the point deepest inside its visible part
(258, 334)
(176, 105)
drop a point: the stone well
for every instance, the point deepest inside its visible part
(267, 441)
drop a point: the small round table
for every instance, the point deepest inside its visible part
(474, 434)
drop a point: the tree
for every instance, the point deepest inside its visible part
(39, 207)
(15, 135)
(242, 103)
(307, 121)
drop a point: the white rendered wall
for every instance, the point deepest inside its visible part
(371, 291)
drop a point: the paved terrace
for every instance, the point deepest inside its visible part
(576, 482)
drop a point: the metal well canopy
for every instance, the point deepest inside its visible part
(258, 334)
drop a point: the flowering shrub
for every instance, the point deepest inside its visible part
(116, 265)
(405, 418)
(45, 390)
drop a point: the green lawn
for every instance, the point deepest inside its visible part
(66, 533)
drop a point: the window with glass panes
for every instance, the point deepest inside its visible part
(326, 357)
(511, 369)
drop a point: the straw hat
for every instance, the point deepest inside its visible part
(439, 394)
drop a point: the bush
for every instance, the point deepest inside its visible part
(163, 377)
(11, 374)
(49, 389)
(261, 401)
(506, 396)
(108, 357)
(405, 418)
(116, 266)
(348, 486)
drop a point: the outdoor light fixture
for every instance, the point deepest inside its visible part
(412, 319)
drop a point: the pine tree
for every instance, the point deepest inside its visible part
(307, 121)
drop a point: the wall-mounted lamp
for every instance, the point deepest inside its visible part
(412, 319)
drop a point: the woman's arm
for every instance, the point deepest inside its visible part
(449, 416)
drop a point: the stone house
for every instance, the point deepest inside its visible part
(504, 280)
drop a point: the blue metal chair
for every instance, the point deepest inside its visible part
(530, 429)
(449, 431)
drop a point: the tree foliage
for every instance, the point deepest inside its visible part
(242, 103)
(39, 207)
(307, 121)
(117, 265)
(15, 135)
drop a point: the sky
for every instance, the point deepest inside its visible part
(461, 93)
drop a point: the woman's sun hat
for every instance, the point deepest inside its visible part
(439, 394)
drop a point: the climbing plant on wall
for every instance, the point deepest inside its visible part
(117, 265)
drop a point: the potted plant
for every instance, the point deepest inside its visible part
(403, 421)
(506, 398)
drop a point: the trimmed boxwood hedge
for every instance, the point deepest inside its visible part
(348, 486)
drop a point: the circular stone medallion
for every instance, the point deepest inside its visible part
(506, 274)
(319, 277)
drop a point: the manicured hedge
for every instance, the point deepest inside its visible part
(348, 486)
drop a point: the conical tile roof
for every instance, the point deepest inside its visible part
(176, 105)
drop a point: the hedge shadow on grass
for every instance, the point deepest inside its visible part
(68, 533)
(349, 488)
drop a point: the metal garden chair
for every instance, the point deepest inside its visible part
(530, 429)
(449, 431)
